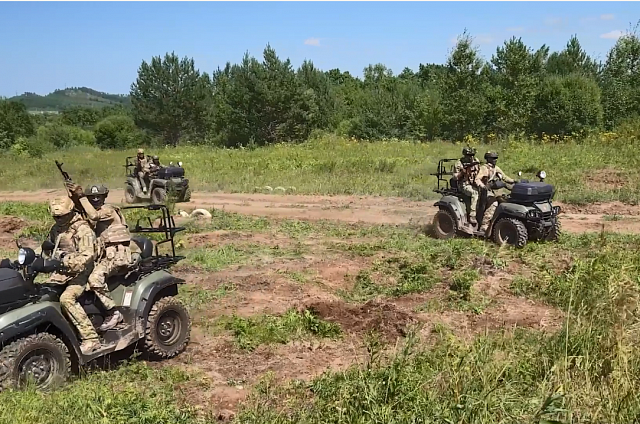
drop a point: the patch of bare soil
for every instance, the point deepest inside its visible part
(608, 208)
(607, 179)
(9, 227)
(385, 318)
(223, 237)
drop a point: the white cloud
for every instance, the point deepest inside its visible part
(613, 35)
(484, 39)
(515, 29)
(607, 17)
(312, 41)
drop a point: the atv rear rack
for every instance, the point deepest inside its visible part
(167, 226)
(441, 171)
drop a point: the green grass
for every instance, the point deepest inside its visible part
(132, 394)
(250, 333)
(333, 165)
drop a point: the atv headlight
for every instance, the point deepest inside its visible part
(22, 256)
(180, 164)
(542, 174)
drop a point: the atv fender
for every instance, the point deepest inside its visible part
(454, 206)
(144, 293)
(157, 182)
(135, 184)
(26, 319)
(512, 210)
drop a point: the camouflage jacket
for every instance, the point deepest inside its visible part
(488, 173)
(107, 222)
(468, 173)
(76, 244)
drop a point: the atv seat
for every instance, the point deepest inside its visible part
(145, 245)
(453, 183)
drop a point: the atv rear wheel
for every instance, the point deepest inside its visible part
(168, 328)
(444, 225)
(39, 358)
(510, 231)
(158, 196)
(186, 195)
(130, 194)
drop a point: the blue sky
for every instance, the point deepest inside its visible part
(49, 45)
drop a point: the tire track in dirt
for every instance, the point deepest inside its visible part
(614, 217)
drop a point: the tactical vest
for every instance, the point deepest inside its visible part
(115, 231)
(64, 240)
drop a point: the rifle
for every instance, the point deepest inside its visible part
(67, 179)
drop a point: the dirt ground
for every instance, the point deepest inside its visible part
(376, 210)
(270, 287)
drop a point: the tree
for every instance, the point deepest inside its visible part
(621, 80)
(321, 94)
(117, 132)
(14, 122)
(463, 91)
(171, 98)
(573, 59)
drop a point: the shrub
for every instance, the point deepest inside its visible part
(117, 132)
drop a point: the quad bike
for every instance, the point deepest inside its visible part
(525, 214)
(167, 180)
(38, 343)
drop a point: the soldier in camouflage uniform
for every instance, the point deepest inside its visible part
(143, 169)
(465, 171)
(114, 239)
(75, 246)
(490, 172)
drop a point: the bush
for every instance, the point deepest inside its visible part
(34, 147)
(62, 136)
(567, 105)
(117, 132)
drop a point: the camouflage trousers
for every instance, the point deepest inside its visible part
(114, 260)
(143, 181)
(472, 192)
(492, 205)
(69, 303)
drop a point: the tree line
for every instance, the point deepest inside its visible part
(519, 91)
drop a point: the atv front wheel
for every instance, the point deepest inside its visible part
(158, 196)
(168, 328)
(39, 358)
(510, 231)
(554, 232)
(186, 195)
(444, 225)
(130, 194)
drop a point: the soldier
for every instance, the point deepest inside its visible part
(142, 168)
(155, 164)
(465, 171)
(75, 246)
(490, 172)
(114, 240)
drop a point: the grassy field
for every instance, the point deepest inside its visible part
(597, 170)
(329, 322)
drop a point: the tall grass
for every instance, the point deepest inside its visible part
(333, 165)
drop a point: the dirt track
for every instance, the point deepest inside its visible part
(378, 210)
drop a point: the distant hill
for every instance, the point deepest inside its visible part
(68, 97)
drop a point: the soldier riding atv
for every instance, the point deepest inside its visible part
(525, 214)
(39, 343)
(163, 181)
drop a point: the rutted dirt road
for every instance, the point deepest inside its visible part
(379, 210)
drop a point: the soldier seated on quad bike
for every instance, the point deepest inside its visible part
(490, 172)
(465, 171)
(143, 168)
(155, 165)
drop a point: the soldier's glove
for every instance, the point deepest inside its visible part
(75, 190)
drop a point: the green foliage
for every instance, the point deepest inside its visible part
(117, 132)
(264, 103)
(171, 98)
(60, 135)
(567, 105)
(14, 123)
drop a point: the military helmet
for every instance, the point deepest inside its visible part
(140, 151)
(96, 190)
(468, 151)
(155, 157)
(60, 206)
(490, 155)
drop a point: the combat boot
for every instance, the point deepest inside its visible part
(112, 320)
